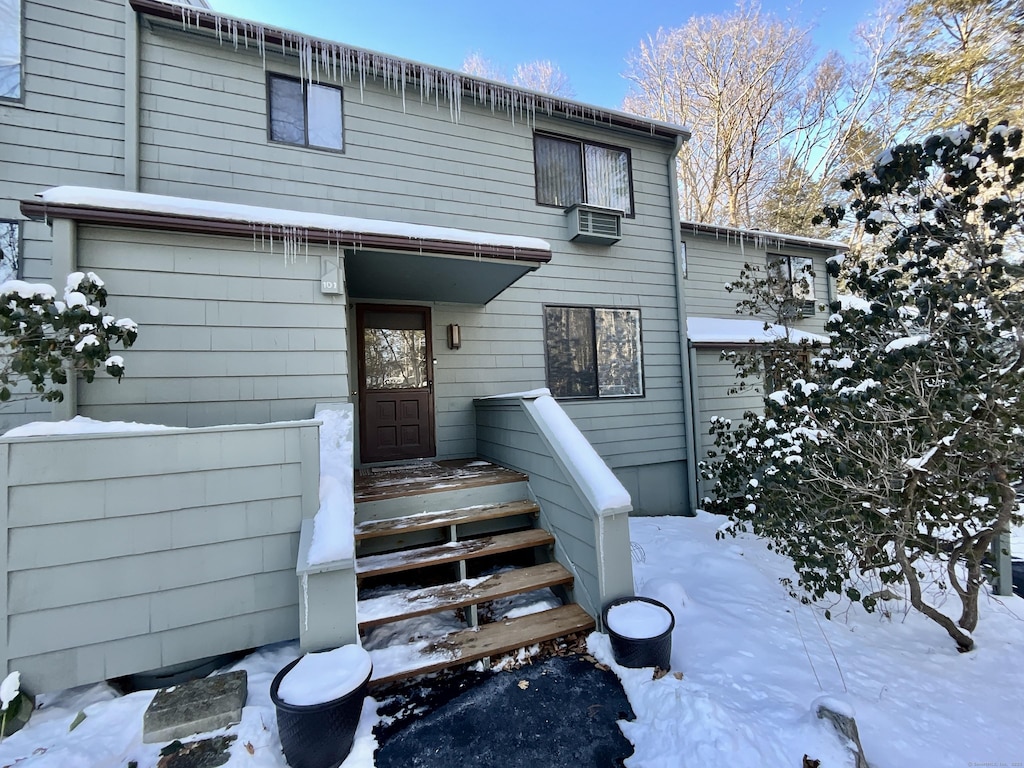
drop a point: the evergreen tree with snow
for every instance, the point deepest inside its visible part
(43, 340)
(886, 462)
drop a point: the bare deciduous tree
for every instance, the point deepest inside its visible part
(544, 76)
(477, 65)
(770, 125)
(541, 75)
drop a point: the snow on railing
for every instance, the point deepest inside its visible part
(595, 480)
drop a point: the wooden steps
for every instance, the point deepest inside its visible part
(460, 594)
(377, 528)
(452, 552)
(487, 640)
(401, 519)
(431, 477)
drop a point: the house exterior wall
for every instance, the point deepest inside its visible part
(232, 333)
(202, 128)
(417, 165)
(714, 261)
(715, 377)
(69, 126)
(67, 129)
(133, 551)
(229, 332)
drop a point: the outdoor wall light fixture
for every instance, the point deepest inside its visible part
(454, 336)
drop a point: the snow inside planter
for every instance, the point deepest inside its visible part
(640, 630)
(319, 698)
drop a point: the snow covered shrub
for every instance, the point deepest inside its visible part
(890, 461)
(43, 340)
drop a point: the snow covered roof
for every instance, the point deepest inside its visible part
(721, 330)
(319, 58)
(762, 238)
(188, 214)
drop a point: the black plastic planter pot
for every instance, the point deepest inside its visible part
(640, 652)
(317, 735)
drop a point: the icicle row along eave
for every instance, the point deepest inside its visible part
(318, 58)
(759, 239)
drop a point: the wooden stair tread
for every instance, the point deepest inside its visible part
(469, 645)
(420, 602)
(427, 520)
(432, 477)
(452, 552)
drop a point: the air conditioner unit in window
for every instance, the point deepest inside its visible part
(591, 224)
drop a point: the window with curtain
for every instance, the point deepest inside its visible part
(593, 352)
(307, 114)
(10, 49)
(570, 171)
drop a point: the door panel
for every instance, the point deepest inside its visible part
(395, 383)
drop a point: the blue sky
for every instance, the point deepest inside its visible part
(589, 41)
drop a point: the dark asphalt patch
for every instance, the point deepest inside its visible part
(559, 713)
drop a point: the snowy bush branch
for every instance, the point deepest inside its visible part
(890, 460)
(44, 340)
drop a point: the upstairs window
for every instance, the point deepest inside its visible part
(10, 49)
(569, 171)
(593, 352)
(792, 277)
(10, 250)
(305, 114)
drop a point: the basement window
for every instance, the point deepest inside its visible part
(305, 114)
(593, 352)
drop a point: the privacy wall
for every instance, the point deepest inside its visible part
(133, 551)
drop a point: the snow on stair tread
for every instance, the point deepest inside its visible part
(419, 602)
(427, 520)
(408, 559)
(467, 645)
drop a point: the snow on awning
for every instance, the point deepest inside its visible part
(720, 330)
(292, 228)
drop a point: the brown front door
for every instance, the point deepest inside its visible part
(396, 404)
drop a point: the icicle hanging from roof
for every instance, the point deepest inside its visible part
(322, 59)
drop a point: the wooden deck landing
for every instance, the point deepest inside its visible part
(377, 483)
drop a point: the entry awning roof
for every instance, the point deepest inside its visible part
(383, 259)
(111, 206)
(422, 277)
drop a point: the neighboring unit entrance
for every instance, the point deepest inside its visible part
(396, 404)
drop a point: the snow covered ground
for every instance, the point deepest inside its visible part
(748, 663)
(753, 661)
